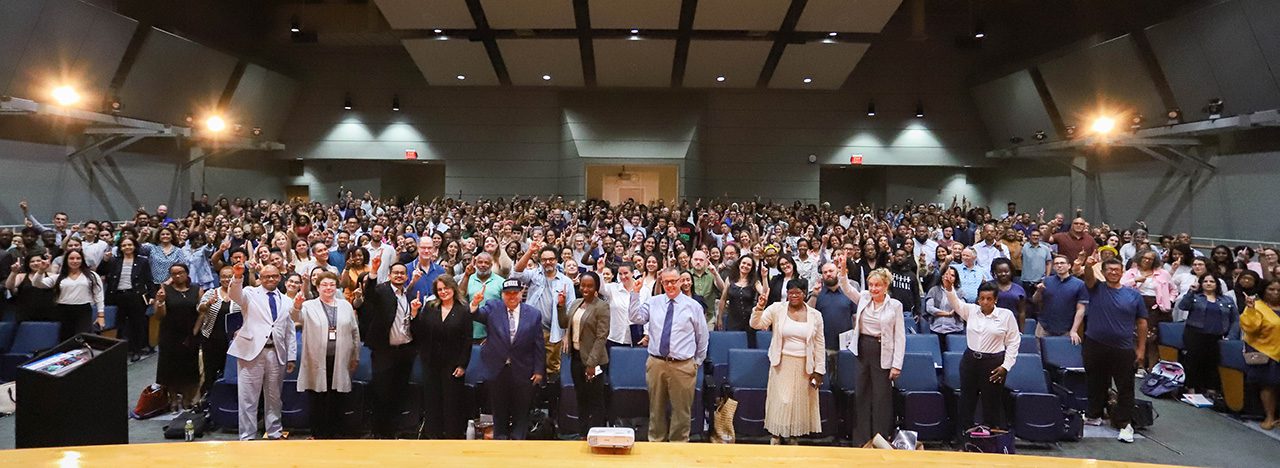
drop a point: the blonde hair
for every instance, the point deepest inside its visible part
(881, 273)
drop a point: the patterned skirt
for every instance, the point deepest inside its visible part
(791, 405)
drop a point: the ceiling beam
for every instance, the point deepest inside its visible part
(584, 31)
(490, 43)
(786, 33)
(582, 19)
(687, 10)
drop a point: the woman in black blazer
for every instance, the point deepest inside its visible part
(586, 325)
(445, 355)
(129, 296)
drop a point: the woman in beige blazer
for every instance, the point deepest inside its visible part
(881, 341)
(586, 324)
(330, 353)
(797, 364)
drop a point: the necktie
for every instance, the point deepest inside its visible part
(664, 344)
(511, 324)
(271, 298)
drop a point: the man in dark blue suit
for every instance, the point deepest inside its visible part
(512, 358)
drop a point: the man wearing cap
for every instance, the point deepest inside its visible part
(511, 359)
(677, 332)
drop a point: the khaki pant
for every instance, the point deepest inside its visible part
(670, 383)
(553, 352)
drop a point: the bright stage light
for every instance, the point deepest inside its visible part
(215, 124)
(1103, 125)
(65, 95)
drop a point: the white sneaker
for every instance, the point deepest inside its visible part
(1141, 374)
(1126, 434)
(1093, 421)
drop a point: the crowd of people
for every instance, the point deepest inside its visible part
(533, 278)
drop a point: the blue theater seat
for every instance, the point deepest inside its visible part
(718, 345)
(224, 401)
(749, 381)
(30, 339)
(1170, 346)
(1065, 364)
(763, 338)
(922, 406)
(1037, 414)
(926, 344)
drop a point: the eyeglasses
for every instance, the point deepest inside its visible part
(670, 281)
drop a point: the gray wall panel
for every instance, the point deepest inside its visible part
(1264, 20)
(18, 19)
(1011, 106)
(68, 42)
(172, 77)
(1107, 76)
(263, 98)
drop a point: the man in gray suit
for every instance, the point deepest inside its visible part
(266, 348)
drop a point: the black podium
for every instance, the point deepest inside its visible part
(87, 405)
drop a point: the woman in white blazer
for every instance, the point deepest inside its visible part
(881, 341)
(797, 364)
(330, 353)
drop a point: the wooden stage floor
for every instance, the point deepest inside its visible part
(506, 454)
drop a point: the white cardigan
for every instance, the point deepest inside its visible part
(815, 355)
(315, 337)
(893, 335)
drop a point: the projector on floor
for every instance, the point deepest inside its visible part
(611, 437)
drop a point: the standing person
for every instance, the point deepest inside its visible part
(971, 275)
(836, 307)
(164, 254)
(423, 270)
(179, 367)
(512, 358)
(212, 325)
(619, 299)
(1075, 240)
(32, 300)
(992, 341)
(1116, 313)
(786, 272)
(880, 348)
(706, 282)
(544, 283)
(478, 276)
(1260, 327)
(78, 293)
(1158, 292)
(128, 282)
(797, 363)
(677, 345)
(746, 285)
(943, 319)
(330, 353)
(1062, 299)
(393, 327)
(587, 322)
(1211, 314)
(1010, 296)
(448, 323)
(905, 285)
(1036, 258)
(265, 347)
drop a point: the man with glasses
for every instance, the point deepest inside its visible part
(1075, 240)
(1062, 299)
(394, 335)
(266, 348)
(545, 286)
(678, 335)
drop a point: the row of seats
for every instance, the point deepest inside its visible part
(1239, 396)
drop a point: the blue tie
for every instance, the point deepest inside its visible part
(271, 297)
(664, 343)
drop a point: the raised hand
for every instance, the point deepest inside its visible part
(161, 295)
(416, 305)
(761, 302)
(948, 282)
(478, 298)
(561, 297)
(297, 301)
(377, 263)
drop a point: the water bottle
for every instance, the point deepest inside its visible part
(471, 429)
(189, 432)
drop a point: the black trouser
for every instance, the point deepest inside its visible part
(975, 384)
(213, 352)
(391, 369)
(442, 404)
(326, 407)
(510, 397)
(1033, 310)
(1106, 365)
(132, 323)
(74, 318)
(590, 395)
(1201, 359)
(873, 392)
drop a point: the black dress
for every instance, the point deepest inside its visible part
(179, 356)
(737, 316)
(34, 304)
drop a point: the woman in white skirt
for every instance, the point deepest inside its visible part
(797, 364)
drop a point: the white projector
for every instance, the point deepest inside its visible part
(611, 437)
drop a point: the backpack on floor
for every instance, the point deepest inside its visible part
(151, 403)
(1072, 425)
(1165, 379)
(982, 439)
(177, 429)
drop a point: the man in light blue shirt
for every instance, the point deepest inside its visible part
(545, 283)
(677, 334)
(971, 275)
(1036, 257)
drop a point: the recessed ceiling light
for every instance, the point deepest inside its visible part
(546, 77)
(462, 77)
(832, 34)
(808, 80)
(438, 31)
(635, 31)
(720, 78)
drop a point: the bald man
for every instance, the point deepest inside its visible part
(424, 269)
(265, 348)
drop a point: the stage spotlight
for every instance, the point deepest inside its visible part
(871, 109)
(1070, 131)
(115, 105)
(1040, 135)
(1174, 116)
(65, 95)
(395, 103)
(1103, 125)
(1135, 122)
(346, 102)
(257, 131)
(1016, 140)
(189, 119)
(919, 109)
(1215, 108)
(215, 124)
(295, 26)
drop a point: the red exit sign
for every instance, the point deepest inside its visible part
(411, 154)
(855, 159)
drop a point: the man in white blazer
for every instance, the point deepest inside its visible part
(266, 348)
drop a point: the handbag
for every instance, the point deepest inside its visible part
(1255, 358)
(722, 431)
(981, 439)
(151, 403)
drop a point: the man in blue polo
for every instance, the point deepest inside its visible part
(1116, 314)
(424, 269)
(972, 275)
(1062, 299)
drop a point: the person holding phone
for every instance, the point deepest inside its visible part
(797, 363)
(586, 322)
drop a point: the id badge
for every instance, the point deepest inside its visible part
(333, 334)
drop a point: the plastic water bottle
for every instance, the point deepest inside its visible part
(471, 429)
(189, 431)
